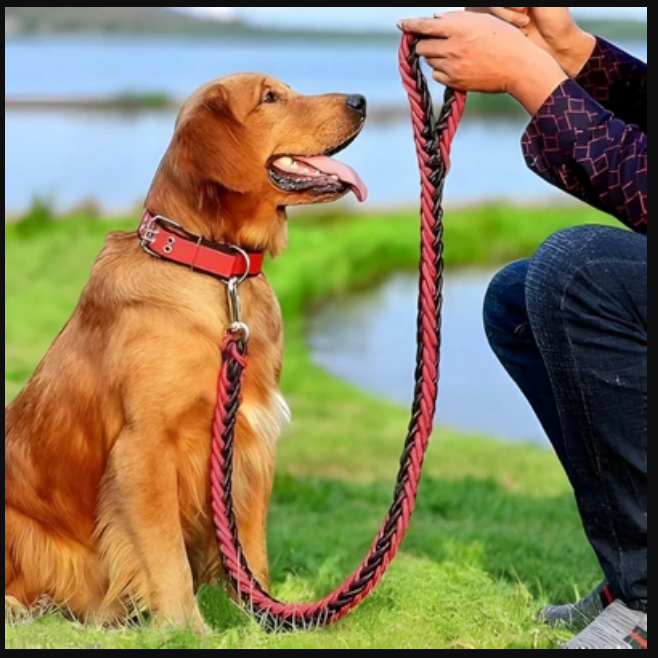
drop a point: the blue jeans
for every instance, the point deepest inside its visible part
(571, 328)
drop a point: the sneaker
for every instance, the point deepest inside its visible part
(618, 627)
(579, 615)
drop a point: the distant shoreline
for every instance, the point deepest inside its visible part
(625, 30)
(161, 21)
(98, 212)
(496, 107)
(120, 103)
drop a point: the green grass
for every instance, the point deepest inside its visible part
(496, 532)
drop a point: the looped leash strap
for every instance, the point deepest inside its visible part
(433, 138)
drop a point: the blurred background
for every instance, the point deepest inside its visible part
(91, 95)
(90, 100)
(66, 68)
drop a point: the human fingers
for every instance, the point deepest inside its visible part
(432, 48)
(424, 27)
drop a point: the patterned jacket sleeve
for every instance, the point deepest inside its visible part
(577, 145)
(619, 82)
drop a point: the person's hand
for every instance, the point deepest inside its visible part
(471, 52)
(551, 28)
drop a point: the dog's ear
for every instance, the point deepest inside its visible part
(217, 100)
(213, 145)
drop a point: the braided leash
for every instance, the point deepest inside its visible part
(434, 138)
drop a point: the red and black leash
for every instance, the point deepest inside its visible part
(434, 137)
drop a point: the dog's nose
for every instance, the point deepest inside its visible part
(358, 103)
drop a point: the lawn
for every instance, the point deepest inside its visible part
(496, 533)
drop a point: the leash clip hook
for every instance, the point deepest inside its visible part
(237, 327)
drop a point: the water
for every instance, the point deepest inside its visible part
(113, 65)
(368, 339)
(70, 157)
(112, 158)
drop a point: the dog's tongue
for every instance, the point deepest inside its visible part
(346, 174)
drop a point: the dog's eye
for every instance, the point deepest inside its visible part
(269, 98)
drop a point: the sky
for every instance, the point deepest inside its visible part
(378, 17)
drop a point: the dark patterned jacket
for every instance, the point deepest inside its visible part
(591, 136)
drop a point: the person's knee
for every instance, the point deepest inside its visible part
(505, 306)
(568, 260)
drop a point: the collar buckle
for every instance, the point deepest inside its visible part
(150, 230)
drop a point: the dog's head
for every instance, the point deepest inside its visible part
(253, 134)
(254, 146)
(250, 143)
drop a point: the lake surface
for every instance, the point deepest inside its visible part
(70, 157)
(368, 339)
(112, 158)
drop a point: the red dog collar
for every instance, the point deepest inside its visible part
(163, 238)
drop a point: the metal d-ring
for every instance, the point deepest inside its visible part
(247, 261)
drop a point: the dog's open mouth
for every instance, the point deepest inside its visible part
(320, 175)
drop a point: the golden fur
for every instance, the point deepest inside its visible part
(107, 448)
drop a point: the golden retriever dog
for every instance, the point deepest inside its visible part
(107, 503)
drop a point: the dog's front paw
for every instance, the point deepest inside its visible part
(14, 610)
(198, 626)
(192, 622)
